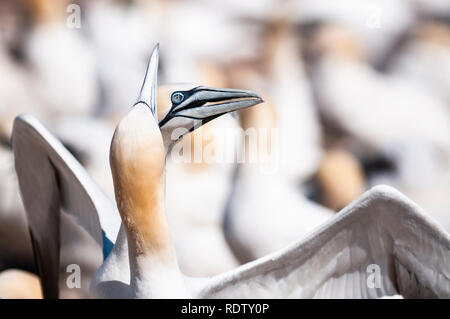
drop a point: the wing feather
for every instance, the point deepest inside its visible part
(51, 180)
(383, 244)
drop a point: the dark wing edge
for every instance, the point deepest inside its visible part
(51, 179)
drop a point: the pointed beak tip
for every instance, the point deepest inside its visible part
(256, 96)
(258, 100)
(147, 93)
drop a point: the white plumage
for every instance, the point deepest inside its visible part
(63, 70)
(388, 114)
(195, 212)
(381, 228)
(267, 209)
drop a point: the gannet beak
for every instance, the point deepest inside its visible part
(206, 103)
(147, 95)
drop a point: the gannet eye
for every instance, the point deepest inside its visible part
(177, 97)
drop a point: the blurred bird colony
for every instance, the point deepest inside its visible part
(356, 94)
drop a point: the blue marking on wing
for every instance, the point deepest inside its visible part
(107, 246)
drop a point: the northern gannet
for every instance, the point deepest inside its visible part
(425, 58)
(349, 88)
(378, 23)
(55, 52)
(382, 230)
(189, 109)
(119, 33)
(267, 209)
(380, 112)
(297, 118)
(381, 245)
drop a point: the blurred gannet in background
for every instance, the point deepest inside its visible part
(119, 33)
(64, 175)
(385, 113)
(212, 33)
(55, 52)
(425, 59)
(194, 211)
(391, 102)
(19, 284)
(296, 116)
(195, 219)
(267, 209)
(332, 262)
(432, 7)
(378, 23)
(341, 179)
(120, 30)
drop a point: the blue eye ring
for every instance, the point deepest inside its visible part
(177, 97)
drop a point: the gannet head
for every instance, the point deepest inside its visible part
(182, 108)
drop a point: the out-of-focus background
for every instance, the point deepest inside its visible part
(357, 90)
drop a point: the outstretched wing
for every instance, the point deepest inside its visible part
(381, 245)
(51, 179)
